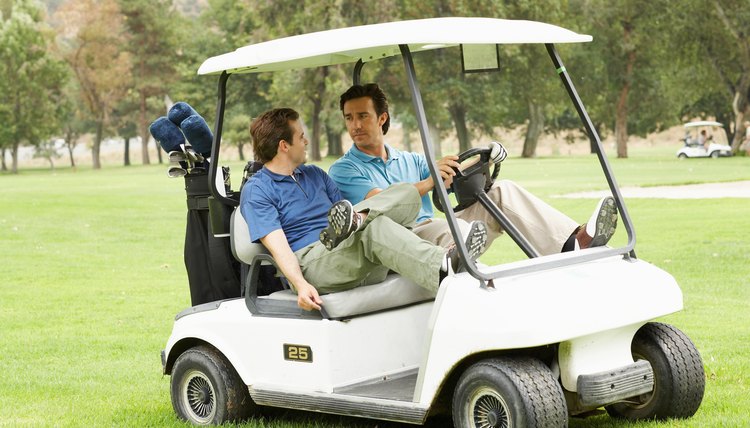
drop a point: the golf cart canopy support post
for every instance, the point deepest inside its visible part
(594, 136)
(217, 191)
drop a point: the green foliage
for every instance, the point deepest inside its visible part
(31, 79)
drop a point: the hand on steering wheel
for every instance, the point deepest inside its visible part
(476, 178)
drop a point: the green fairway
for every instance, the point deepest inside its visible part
(93, 275)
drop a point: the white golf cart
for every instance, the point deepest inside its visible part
(704, 139)
(524, 344)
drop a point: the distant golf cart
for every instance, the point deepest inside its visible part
(523, 344)
(716, 143)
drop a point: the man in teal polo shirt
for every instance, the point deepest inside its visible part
(289, 207)
(371, 166)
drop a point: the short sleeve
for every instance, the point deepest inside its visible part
(259, 212)
(351, 181)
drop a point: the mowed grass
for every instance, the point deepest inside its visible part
(92, 276)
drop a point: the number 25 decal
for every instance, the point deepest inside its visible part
(300, 353)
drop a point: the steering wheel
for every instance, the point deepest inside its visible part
(467, 183)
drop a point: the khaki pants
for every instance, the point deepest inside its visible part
(382, 244)
(545, 227)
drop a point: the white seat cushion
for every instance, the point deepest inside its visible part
(395, 291)
(242, 248)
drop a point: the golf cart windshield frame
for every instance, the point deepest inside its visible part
(487, 274)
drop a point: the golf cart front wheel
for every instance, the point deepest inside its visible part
(715, 154)
(679, 379)
(682, 156)
(509, 392)
(206, 390)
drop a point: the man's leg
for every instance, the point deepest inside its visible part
(368, 255)
(545, 227)
(436, 230)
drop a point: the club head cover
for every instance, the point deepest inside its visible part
(167, 134)
(198, 134)
(179, 112)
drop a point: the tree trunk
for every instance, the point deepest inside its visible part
(95, 147)
(621, 114)
(3, 166)
(242, 153)
(334, 142)
(126, 155)
(458, 114)
(534, 130)
(315, 139)
(70, 144)
(741, 109)
(143, 127)
(317, 100)
(14, 158)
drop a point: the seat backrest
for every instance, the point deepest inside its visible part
(243, 249)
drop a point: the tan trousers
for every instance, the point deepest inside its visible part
(545, 227)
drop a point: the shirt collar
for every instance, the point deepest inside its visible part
(279, 177)
(364, 157)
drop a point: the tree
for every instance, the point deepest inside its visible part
(634, 63)
(91, 34)
(31, 79)
(727, 49)
(153, 48)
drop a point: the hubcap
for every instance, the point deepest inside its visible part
(198, 394)
(487, 409)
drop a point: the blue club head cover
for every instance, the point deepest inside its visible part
(198, 133)
(179, 112)
(167, 134)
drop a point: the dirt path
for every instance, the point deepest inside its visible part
(735, 189)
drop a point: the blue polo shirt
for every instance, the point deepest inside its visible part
(297, 204)
(356, 173)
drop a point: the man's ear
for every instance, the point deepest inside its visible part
(383, 117)
(283, 146)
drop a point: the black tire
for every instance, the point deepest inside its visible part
(206, 389)
(509, 392)
(715, 154)
(682, 156)
(679, 379)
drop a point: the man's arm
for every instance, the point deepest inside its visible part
(445, 167)
(307, 296)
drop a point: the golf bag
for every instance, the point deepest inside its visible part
(212, 271)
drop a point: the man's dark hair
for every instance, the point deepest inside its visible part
(268, 129)
(373, 91)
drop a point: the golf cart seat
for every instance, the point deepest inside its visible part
(243, 249)
(394, 292)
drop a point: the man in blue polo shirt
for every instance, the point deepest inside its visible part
(315, 237)
(371, 166)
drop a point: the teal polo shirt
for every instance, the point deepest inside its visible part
(356, 173)
(297, 204)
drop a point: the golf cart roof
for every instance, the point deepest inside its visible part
(702, 123)
(377, 41)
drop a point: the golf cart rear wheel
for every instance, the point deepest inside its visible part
(206, 389)
(682, 156)
(715, 154)
(679, 379)
(509, 392)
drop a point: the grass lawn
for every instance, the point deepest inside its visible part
(93, 275)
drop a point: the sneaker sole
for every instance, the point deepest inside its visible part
(476, 241)
(339, 225)
(340, 217)
(606, 223)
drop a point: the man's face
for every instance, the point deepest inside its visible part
(363, 123)
(298, 146)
